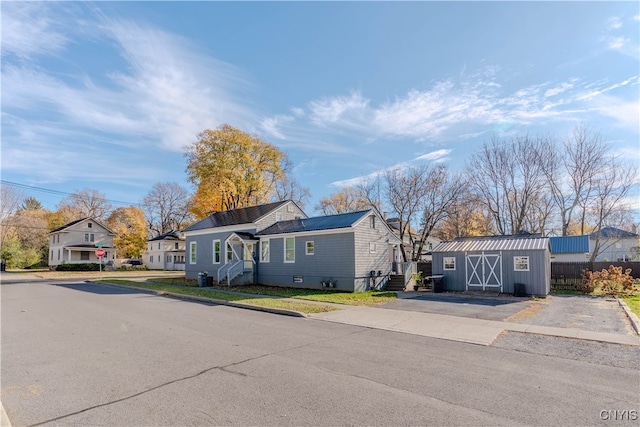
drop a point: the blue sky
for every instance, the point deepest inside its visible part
(107, 95)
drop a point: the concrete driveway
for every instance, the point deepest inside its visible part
(596, 314)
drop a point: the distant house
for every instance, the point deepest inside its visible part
(77, 241)
(495, 263)
(614, 244)
(569, 248)
(166, 252)
(411, 247)
(277, 244)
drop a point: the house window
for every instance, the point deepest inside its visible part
(58, 237)
(449, 263)
(278, 216)
(372, 248)
(290, 249)
(521, 263)
(88, 237)
(151, 258)
(84, 256)
(216, 251)
(58, 254)
(51, 255)
(176, 246)
(264, 250)
(372, 221)
(89, 225)
(193, 252)
(158, 245)
(229, 251)
(310, 248)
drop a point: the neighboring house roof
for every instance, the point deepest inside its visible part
(612, 232)
(494, 243)
(171, 235)
(79, 221)
(569, 244)
(329, 222)
(235, 216)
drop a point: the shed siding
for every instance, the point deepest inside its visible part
(365, 261)
(204, 253)
(537, 280)
(332, 259)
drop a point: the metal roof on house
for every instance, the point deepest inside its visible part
(569, 244)
(235, 216)
(612, 232)
(497, 243)
(329, 222)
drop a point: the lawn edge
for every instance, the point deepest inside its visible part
(215, 301)
(635, 321)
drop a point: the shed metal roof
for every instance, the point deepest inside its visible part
(493, 244)
(569, 244)
(329, 222)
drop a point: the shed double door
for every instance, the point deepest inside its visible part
(484, 270)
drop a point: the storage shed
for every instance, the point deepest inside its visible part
(517, 264)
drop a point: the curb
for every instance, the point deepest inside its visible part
(633, 318)
(215, 301)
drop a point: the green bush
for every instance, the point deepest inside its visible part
(79, 267)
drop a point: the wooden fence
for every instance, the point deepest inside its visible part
(568, 275)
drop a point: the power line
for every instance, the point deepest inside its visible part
(59, 193)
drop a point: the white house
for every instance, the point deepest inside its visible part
(615, 244)
(166, 252)
(77, 241)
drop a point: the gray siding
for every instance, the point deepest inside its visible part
(366, 261)
(332, 259)
(204, 253)
(537, 280)
(270, 219)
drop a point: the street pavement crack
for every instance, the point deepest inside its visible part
(221, 368)
(225, 368)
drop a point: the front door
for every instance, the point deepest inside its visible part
(484, 271)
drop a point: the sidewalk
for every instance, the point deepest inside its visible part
(476, 331)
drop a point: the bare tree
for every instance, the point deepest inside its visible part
(86, 203)
(288, 188)
(466, 218)
(347, 199)
(405, 189)
(508, 178)
(610, 189)
(571, 173)
(167, 207)
(440, 192)
(10, 199)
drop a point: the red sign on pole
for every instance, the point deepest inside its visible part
(99, 253)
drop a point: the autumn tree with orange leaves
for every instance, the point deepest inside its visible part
(231, 169)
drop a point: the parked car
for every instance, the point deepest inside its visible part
(133, 262)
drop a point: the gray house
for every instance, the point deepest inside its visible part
(495, 263)
(223, 244)
(276, 244)
(351, 251)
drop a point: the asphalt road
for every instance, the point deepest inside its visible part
(94, 355)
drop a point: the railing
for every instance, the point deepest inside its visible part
(409, 268)
(379, 282)
(230, 271)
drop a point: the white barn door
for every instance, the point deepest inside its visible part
(484, 270)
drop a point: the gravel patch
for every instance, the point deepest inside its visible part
(617, 355)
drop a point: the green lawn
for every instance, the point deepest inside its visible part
(634, 303)
(369, 298)
(298, 306)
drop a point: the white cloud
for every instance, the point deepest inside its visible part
(618, 43)
(615, 23)
(558, 89)
(29, 28)
(271, 125)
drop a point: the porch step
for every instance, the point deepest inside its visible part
(395, 283)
